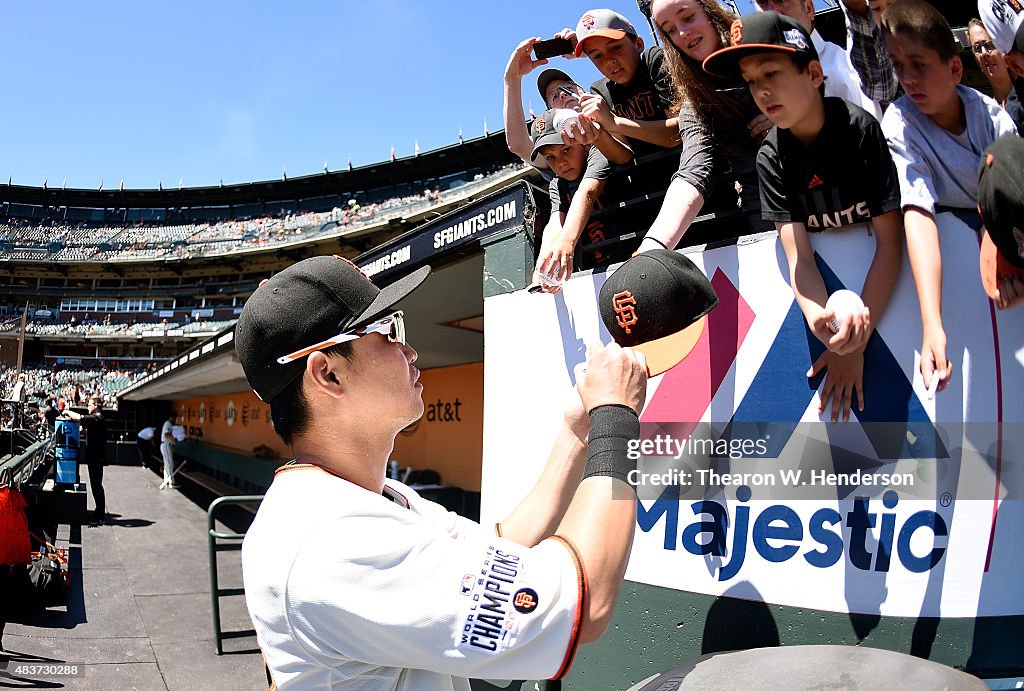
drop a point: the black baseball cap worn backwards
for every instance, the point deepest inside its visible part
(546, 77)
(760, 32)
(657, 302)
(308, 302)
(1001, 205)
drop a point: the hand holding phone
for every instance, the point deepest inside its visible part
(552, 48)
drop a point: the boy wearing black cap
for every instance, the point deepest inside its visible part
(557, 90)
(824, 166)
(578, 188)
(355, 581)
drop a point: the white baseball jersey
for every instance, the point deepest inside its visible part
(349, 589)
(168, 428)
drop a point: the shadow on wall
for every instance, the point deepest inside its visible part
(738, 620)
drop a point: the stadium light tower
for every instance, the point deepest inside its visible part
(645, 9)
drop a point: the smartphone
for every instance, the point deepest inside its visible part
(552, 48)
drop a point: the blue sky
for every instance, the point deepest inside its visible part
(152, 92)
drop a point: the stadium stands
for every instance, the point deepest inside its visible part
(51, 240)
(73, 384)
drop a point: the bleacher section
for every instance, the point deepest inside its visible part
(49, 239)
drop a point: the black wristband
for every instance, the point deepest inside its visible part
(612, 427)
(653, 239)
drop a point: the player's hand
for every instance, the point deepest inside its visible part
(583, 132)
(612, 375)
(521, 61)
(844, 376)
(1011, 292)
(759, 127)
(596, 108)
(933, 358)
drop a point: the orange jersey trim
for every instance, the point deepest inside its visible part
(583, 597)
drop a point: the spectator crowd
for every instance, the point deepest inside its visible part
(55, 240)
(68, 385)
(802, 135)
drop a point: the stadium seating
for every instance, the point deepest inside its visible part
(51, 240)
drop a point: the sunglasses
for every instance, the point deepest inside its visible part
(391, 327)
(983, 46)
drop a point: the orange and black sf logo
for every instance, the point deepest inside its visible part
(588, 23)
(525, 600)
(624, 305)
(539, 126)
(736, 32)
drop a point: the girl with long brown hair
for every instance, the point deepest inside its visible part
(720, 125)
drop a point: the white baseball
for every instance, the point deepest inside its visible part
(843, 303)
(564, 119)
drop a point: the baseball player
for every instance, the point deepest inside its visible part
(167, 449)
(354, 581)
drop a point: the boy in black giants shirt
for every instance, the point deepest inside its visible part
(825, 165)
(576, 191)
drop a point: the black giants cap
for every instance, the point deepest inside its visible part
(543, 131)
(758, 33)
(1001, 205)
(546, 77)
(308, 302)
(656, 302)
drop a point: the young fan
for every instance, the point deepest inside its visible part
(937, 132)
(824, 167)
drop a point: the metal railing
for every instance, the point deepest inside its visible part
(16, 471)
(234, 545)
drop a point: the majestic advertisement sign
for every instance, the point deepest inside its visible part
(490, 215)
(911, 508)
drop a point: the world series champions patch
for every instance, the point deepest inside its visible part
(496, 601)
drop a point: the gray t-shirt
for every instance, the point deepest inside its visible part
(937, 168)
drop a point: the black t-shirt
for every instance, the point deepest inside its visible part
(599, 227)
(647, 97)
(96, 427)
(846, 176)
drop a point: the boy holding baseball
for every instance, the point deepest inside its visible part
(823, 167)
(577, 189)
(937, 132)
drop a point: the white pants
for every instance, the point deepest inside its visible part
(167, 451)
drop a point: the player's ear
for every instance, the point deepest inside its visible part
(639, 44)
(323, 375)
